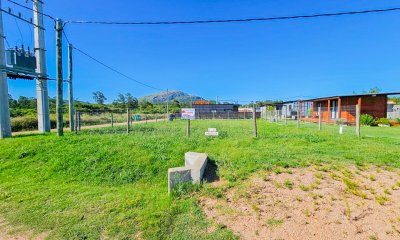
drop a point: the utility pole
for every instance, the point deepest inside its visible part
(70, 89)
(5, 124)
(59, 95)
(43, 111)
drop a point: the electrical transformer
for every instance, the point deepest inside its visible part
(21, 61)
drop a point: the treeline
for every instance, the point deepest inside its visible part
(27, 106)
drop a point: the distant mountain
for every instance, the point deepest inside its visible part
(172, 95)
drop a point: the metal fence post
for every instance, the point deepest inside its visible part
(228, 115)
(358, 129)
(319, 119)
(188, 128)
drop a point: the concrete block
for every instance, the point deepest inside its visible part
(195, 165)
(197, 162)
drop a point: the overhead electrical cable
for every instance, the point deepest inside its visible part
(116, 71)
(237, 20)
(23, 6)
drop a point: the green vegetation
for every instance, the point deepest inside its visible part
(272, 222)
(96, 184)
(367, 120)
(288, 184)
(383, 121)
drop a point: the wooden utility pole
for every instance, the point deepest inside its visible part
(112, 120)
(254, 122)
(358, 128)
(5, 123)
(59, 95)
(70, 89)
(42, 95)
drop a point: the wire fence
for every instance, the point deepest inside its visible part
(323, 118)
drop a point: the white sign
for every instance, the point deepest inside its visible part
(188, 113)
(211, 133)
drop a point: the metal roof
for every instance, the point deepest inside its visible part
(354, 95)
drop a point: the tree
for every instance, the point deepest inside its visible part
(374, 90)
(396, 100)
(99, 97)
(120, 101)
(131, 101)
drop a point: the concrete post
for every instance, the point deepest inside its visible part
(59, 70)
(358, 128)
(70, 89)
(5, 123)
(319, 119)
(43, 111)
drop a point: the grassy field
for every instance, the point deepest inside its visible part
(98, 184)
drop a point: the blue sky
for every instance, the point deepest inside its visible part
(239, 61)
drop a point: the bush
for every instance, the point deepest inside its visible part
(367, 120)
(398, 120)
(383, 121)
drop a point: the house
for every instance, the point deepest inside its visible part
(215, 108)
(343, 107)
(393, 110)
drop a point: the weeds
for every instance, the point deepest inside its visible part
(288, 184)
(273, 222)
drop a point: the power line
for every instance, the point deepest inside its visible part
(23, 6)
(116, 71)
(19, 30)
(239, 20)
(65, 35)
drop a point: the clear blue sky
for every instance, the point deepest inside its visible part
(240, 61)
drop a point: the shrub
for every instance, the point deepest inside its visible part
(398, 120)
(367, 120)
(384, 121)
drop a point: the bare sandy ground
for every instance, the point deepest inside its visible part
(320, 202)
(12, 233)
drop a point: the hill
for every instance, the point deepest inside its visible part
(163, 97)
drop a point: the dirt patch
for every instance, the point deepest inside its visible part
(8, 232)
(320, 202)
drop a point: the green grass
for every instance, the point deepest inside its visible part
(99, 184)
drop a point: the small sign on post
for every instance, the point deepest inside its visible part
(188, 113)
(211, 132)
